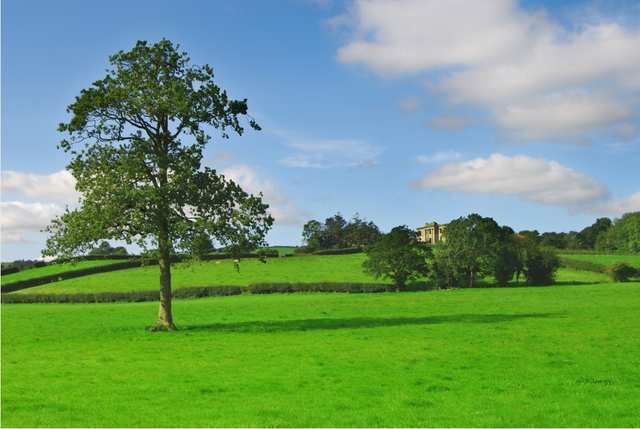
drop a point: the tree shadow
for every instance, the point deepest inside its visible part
(359, 322)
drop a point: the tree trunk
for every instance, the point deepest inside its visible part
(165, 316)
(470, 278)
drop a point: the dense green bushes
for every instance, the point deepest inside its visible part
(345, 251)
(190, 292)
(206, 291)
(622, 272)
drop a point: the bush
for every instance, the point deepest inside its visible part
(10, 270)
(343, 251)
(184, 293)
(621, 272)
(541, 264)
(263, 288)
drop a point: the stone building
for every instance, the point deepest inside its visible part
(432, 233)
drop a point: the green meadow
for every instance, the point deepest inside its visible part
(55, 269)
(303, 269)
(548, 356)
(607, 260)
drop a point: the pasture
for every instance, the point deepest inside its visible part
(55, 269)
(549, 356)
(304, 269)
(607, 260)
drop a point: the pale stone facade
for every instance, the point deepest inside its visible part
(432, 233)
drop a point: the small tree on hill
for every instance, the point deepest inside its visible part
(137, 139)
(398, 256)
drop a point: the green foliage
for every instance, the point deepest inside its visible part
(623, 236)
(53, 269)
(398, 256)
(338, 233)
(343, 251)
(105, 249)
(622, 272)
(472, 249)
(137, 138)
(540, 264)
(201, 245)
(580, 264)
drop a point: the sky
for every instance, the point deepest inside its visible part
(404, 112)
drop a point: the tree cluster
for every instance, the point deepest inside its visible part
(105, 249)
(476, 247)
(338, 233)
(604, 235)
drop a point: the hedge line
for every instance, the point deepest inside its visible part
(204, 291)
(345, 251)
(39, 281)
(104, 297)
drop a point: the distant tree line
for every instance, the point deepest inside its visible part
(338, 233)
(605, 235)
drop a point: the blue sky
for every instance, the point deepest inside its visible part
(403, 113)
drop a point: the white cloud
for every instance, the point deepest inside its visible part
(58, 186)
(448, 122)
(410, 104)
(512, 62)
(533, 179)
(619, 207)
(568, 115)
(438, 157)
(331, 154)
(284, 211)
(18, 218)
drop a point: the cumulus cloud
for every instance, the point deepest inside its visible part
(618, 207)
(533, 179)
(510, 61)
(283, 210)
(19, 218)
(438, 157)
(58, 186)
(331, 154)
(448, 122)
(410, 104)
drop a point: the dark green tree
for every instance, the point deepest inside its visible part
(398, 256)
(136, 138)
(360, 233)
(589, 235)
(105, 249)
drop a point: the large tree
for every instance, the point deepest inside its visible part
(136, 138)
(398, 256)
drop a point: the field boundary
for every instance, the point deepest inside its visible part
(207, 291)
(116, 266)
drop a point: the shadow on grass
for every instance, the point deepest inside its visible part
(359, 322)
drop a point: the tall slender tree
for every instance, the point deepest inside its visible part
(136, 138)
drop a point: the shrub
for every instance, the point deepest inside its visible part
(622, 272)
(344, 251)
(541, 264)
(10, 270)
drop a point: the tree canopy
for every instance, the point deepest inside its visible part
(136, 138)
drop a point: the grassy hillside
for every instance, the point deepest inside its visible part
(471, 357)
(55, 269)
(605, 259)
(306, 269)
(283, 250)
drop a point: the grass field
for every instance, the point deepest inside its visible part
(551, 356)
(306, 269)
(283, 250)
(605, 259)
(55, 269)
